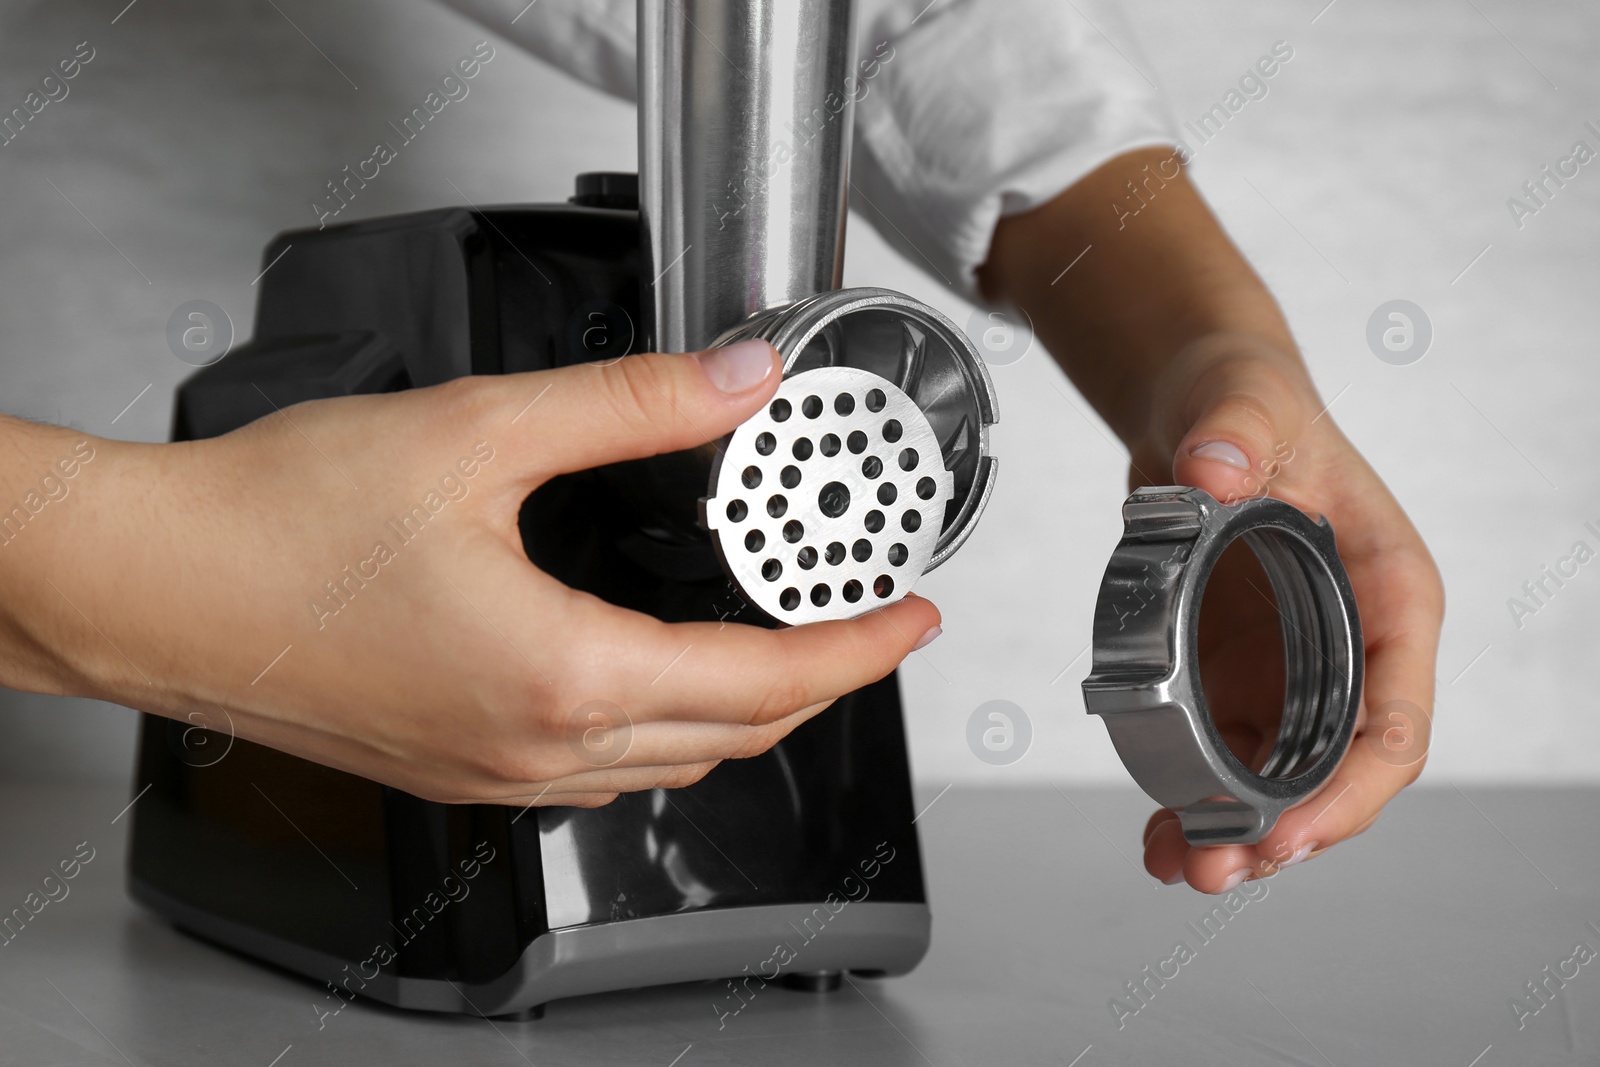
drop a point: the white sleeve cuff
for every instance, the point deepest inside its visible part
(985, 108)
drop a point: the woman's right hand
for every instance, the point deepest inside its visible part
(271, 574)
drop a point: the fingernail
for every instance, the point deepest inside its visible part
(1299, 854)
(1222, 452)
(1175, 879)
(927, 639)
(738, 367)
(1234, 879)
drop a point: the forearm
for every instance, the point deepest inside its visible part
(1152, 287)
(43, 473)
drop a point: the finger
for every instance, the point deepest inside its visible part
(593, 414)
(541, 800)
(1401, 609)
(1164, 848)
(1246, 426)
(575, 800)
(712, 672)
(1358, 831)
(1164, 815)
(1372, 773)
(1219, 868)
(601, 781)
(650, 671)
(1386, 755)
(669, 743)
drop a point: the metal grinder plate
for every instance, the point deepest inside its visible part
(830, 502)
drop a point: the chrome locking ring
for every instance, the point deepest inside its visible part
(1145, 679)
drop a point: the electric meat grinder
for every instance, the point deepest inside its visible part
(794, 866)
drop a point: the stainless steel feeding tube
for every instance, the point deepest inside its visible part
(871, 465)
(745, 114)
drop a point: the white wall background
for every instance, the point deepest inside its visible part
(1377, 168)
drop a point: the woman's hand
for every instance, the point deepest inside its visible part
(1172, 337)
(1239, 419)
(345, 581)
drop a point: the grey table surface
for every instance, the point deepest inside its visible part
(1405, 946)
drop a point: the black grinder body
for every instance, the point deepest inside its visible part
(800, 863)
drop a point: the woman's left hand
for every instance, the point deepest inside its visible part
(1239, 419)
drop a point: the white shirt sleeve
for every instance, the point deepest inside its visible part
(975, 109)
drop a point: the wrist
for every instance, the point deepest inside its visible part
(56, 508)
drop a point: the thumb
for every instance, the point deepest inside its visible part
(1246, 420)
(592, 414)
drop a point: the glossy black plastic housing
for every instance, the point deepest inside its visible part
(313, 869)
